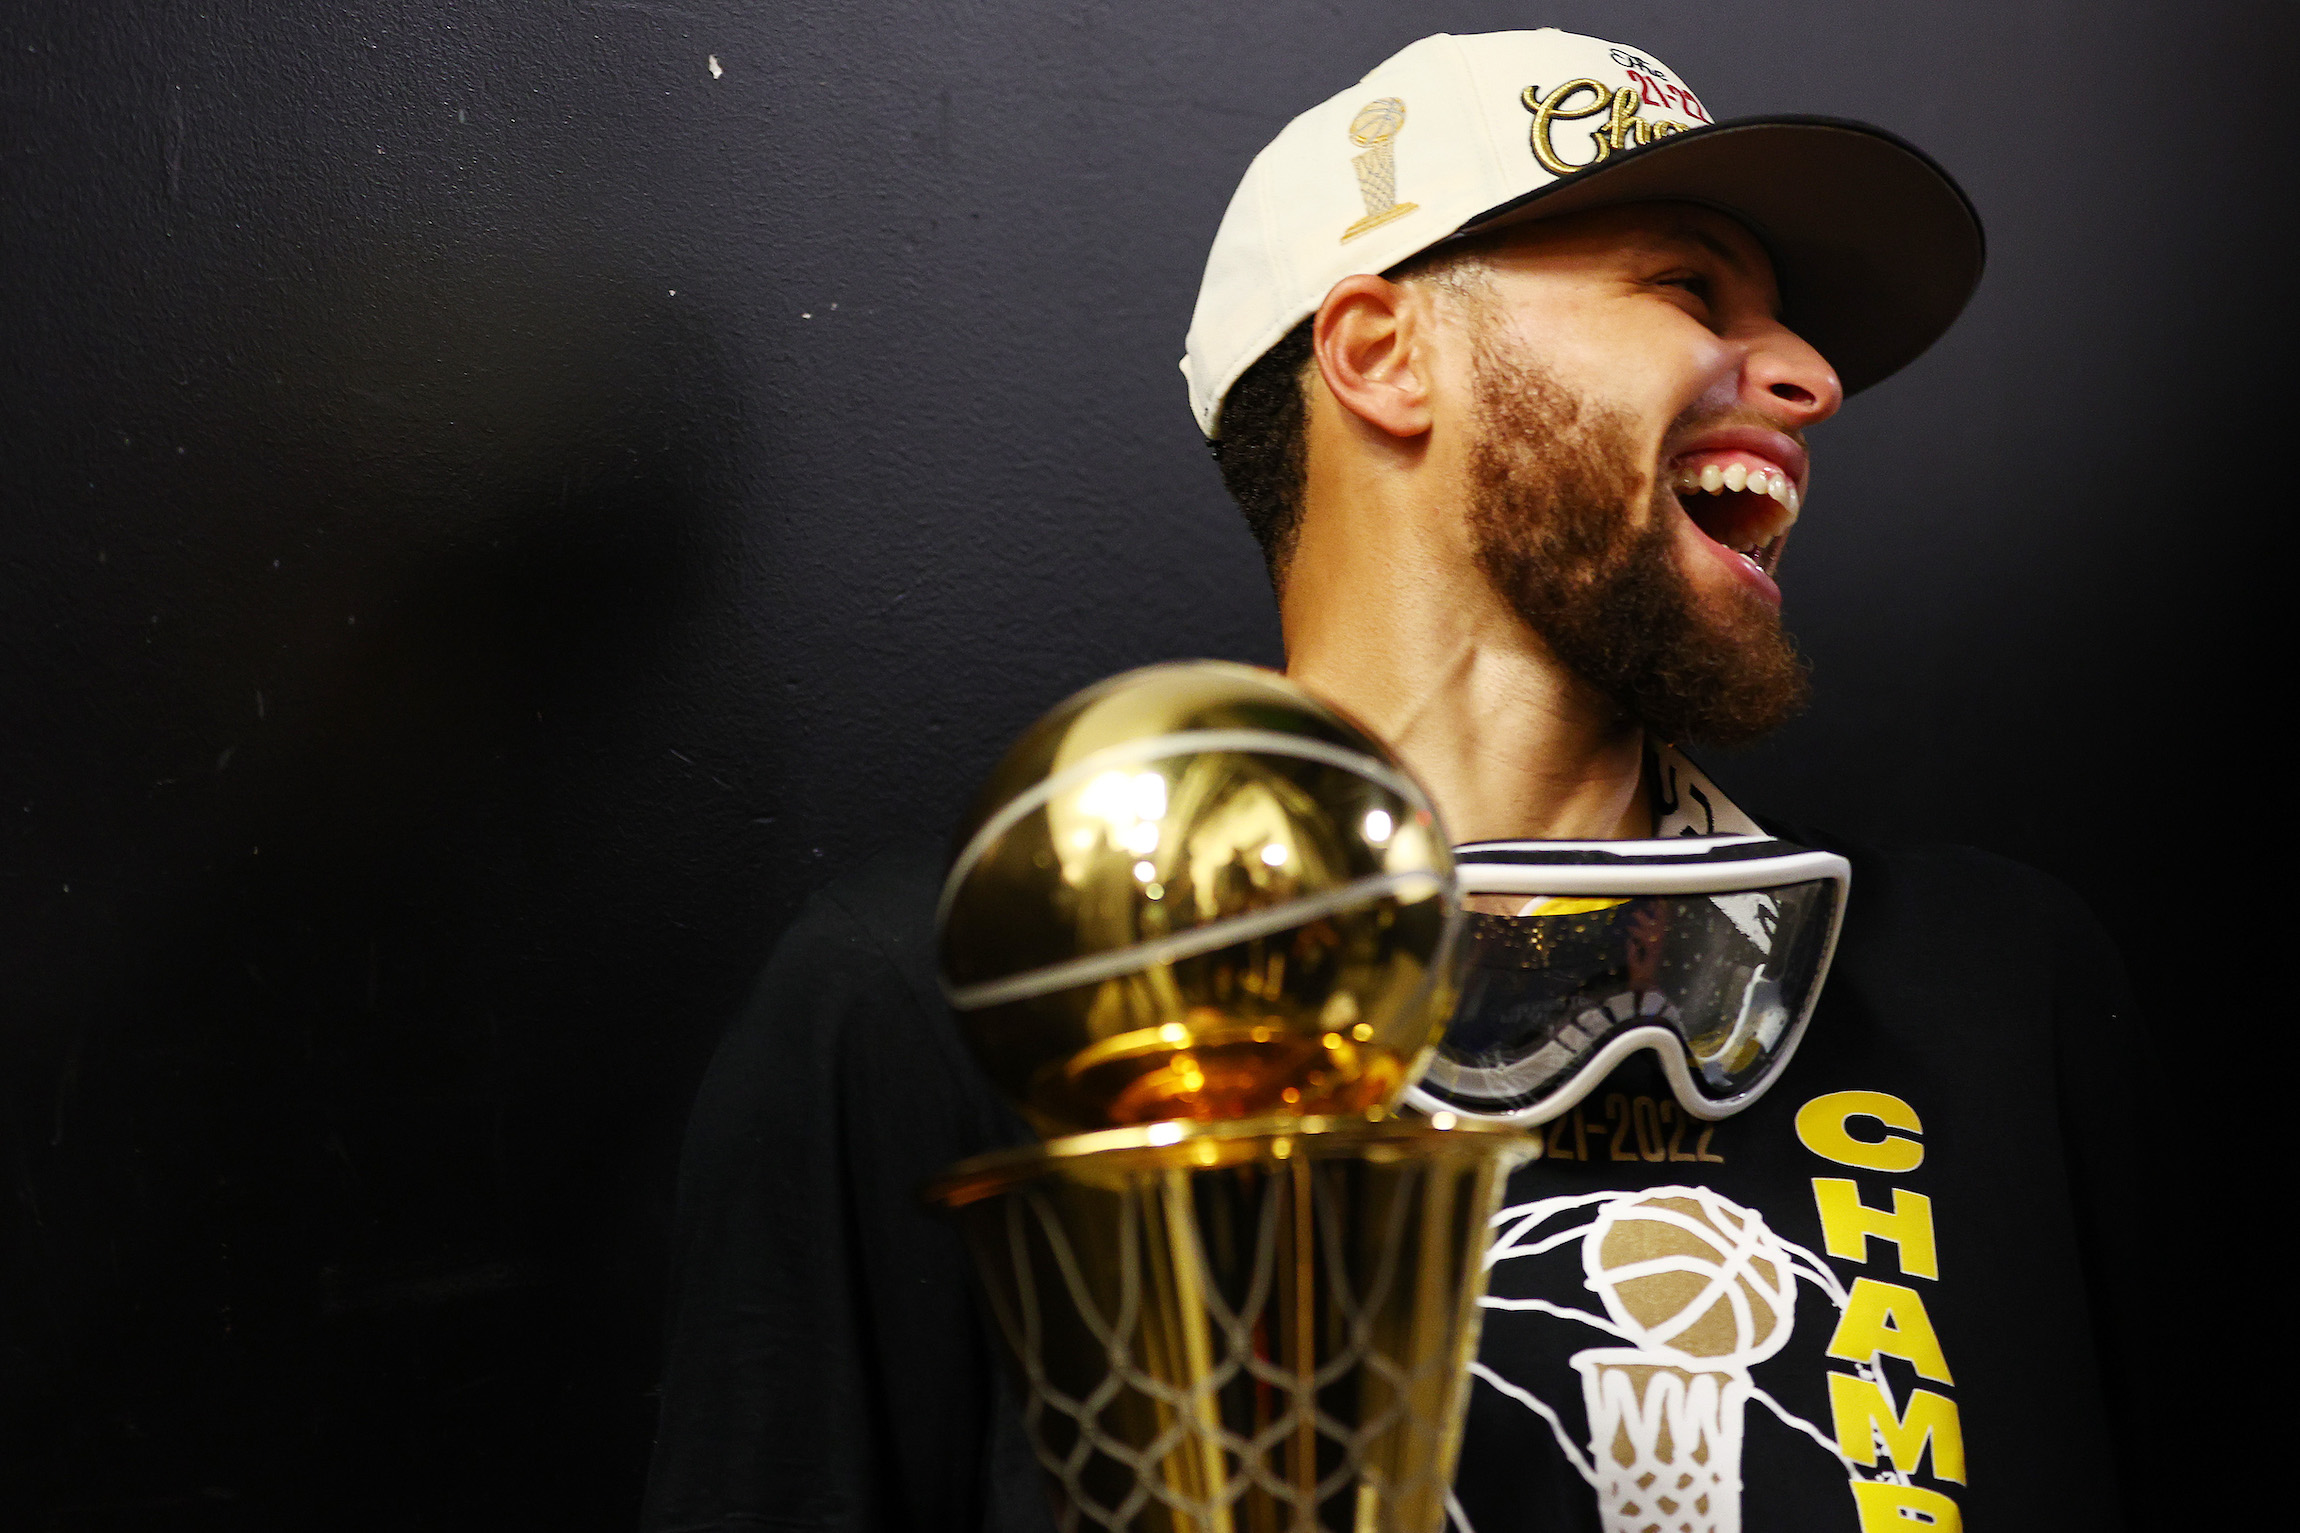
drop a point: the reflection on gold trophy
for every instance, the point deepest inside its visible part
(1201, 931)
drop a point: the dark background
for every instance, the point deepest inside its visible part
(494, 512)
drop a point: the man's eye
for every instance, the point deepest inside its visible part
(1691, 282)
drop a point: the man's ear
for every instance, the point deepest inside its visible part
(1371, 341)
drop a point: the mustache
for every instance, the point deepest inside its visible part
(1697, 417)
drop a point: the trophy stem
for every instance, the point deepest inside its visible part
(1198, 1473)
(1242, 1327)
(1305, 1317)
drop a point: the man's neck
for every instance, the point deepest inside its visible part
(1510, 744)
(1388, 617)
(1507, 753)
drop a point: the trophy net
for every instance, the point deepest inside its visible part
(1246, 1328)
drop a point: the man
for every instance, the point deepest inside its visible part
(1509, 356)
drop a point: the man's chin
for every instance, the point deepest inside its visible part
(1728, 684)
(1708, 663)
(1738, 620)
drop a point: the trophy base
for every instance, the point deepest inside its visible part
(1259, 1326)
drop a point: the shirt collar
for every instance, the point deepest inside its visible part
(1686, 802)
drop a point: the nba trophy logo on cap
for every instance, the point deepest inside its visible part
(1200, 930)
(1373, 129)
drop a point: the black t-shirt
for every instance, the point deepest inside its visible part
(1921, 1250)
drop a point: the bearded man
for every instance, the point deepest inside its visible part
(1478, 483)
(1509, 354)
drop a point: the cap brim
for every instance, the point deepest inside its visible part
(1877, 249)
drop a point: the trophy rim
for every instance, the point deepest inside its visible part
(1190, 1145)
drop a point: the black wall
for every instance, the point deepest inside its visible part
(495, 508)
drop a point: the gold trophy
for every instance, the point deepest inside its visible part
(1200, 930)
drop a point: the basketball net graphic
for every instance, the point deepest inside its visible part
(1699, 1289)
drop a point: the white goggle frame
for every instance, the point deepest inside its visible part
(1628, 869)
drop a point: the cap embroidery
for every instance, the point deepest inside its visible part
(1621, 129)
(1376, 124)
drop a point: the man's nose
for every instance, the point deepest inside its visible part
(1790, 380)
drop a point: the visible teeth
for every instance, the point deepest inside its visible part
(1715, 479)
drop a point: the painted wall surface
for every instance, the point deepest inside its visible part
(498, 501)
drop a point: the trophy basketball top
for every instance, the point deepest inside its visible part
(1195, 892)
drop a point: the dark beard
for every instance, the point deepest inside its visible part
(1554, 489)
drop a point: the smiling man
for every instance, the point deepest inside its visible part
(1509, 354)
(1546, 478)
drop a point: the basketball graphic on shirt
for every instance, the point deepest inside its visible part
(1682, 1271)
(1695, 1289)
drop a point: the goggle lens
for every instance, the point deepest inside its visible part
(1550, 981)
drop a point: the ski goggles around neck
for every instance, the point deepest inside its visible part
(1708, 951)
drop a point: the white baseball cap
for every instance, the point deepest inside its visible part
(1875, 246)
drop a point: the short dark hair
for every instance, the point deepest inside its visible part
(1264, 449)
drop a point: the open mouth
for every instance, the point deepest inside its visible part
(1740, 500)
